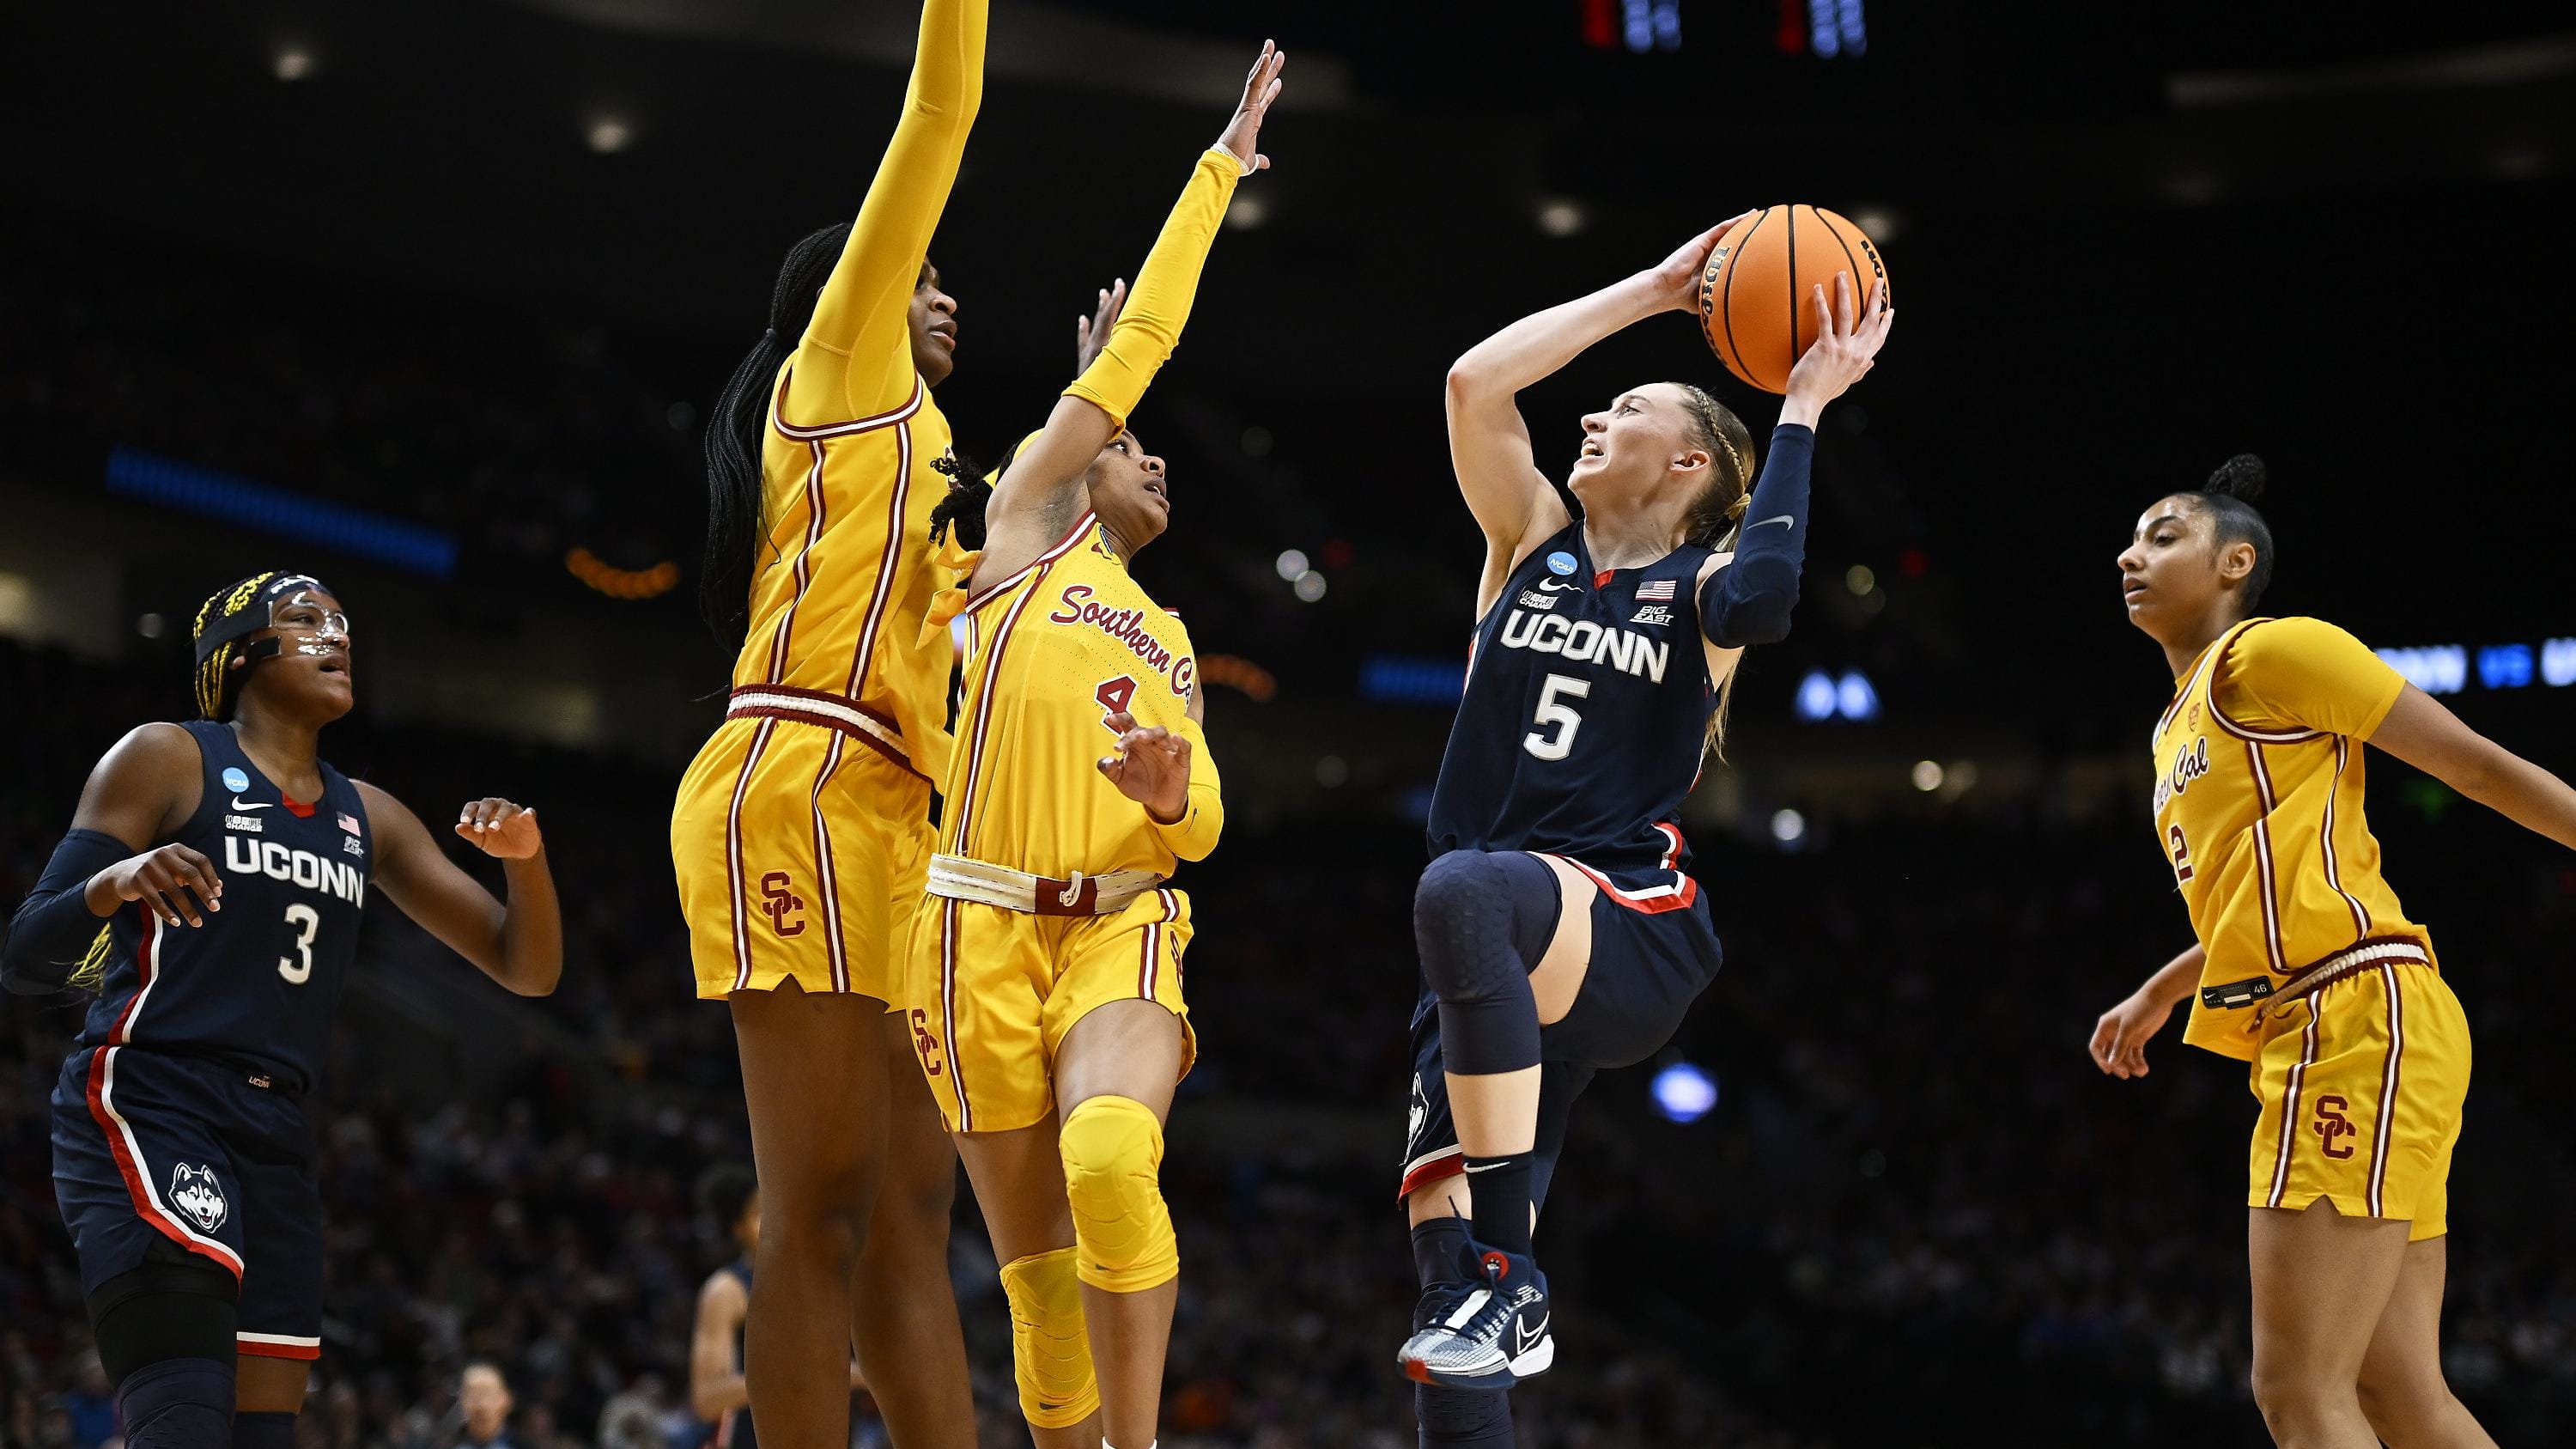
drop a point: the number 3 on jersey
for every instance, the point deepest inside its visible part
(307, 921)
(1553, 715)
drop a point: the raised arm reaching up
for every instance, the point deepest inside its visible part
(857, 358)
(1043, 492)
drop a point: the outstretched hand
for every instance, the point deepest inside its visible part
(1243, 133)
(1090, 334)
(2119, 1044)
(1151, 767)
(1846, 345)
(1676, 277)
(500, 828)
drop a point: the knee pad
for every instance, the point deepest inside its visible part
(163, 1311)
(1113, 1151)
(1050, 1350)
(1482, 920)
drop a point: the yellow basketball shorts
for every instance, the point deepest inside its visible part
(2361, 1083)
(800, 853)
(998, 990)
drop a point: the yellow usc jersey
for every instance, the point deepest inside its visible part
(1050, 653)
(2258, 804)
(846, 578)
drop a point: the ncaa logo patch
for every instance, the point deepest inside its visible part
(1560, 563)
(193, 1191)
(235, 780)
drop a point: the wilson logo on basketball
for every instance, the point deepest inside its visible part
(2332, 1125)
(778, 903)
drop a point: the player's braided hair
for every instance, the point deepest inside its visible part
(1718, 515)
(963, 509)
(216, 682)
(2228, 498)
(734, 431)
(1719, 512)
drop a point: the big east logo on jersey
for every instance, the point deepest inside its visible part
(2189, 764)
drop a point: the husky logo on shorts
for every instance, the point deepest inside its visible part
(193, 1191)
(1414, 1114)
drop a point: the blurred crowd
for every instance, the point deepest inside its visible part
(1916, 1216)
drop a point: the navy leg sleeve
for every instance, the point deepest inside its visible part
(178, 1403)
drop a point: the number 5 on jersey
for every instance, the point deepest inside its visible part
(1554, 715)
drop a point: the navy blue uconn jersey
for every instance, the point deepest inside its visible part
(1584, 720)
(257, 985)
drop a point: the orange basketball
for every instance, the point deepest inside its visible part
(1756, 296)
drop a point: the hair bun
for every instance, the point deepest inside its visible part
(2242, 476)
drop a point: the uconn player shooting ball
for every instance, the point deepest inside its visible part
(1559, 928)
(209, 891)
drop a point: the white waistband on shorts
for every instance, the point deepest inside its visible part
(2359, 956)
(959, 878)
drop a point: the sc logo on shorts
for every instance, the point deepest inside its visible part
(924, 1043)
(2332, 1125)
(778, 903)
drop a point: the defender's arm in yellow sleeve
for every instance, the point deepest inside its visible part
(1043, 490)
(856, 359)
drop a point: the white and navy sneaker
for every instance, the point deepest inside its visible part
(1489, 1334)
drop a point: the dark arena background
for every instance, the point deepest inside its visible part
(433, 298)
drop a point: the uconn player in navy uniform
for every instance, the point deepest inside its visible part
(209, 892)
(1559, 927)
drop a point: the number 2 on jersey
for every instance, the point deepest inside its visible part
(2181, 856)
(1556, 716)
(309, 921)
(1114, 695)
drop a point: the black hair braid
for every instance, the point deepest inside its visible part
(2228, 498)
(733, 436)
(217, 683)
(963, 508)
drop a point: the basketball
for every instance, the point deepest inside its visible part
(1756, 295)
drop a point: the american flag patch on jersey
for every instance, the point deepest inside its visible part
(1655, 589)
(349, 823)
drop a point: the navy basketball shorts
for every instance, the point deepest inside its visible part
(155, 1153)
(1647, 967)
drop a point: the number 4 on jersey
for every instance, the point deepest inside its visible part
(1114, 695)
